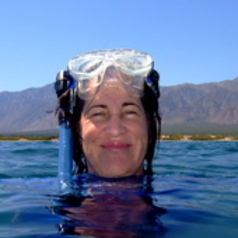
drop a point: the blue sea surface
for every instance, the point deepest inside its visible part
(193, 193)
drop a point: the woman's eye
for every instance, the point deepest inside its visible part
(130, 113)
(98, 115)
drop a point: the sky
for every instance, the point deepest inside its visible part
(191, 41)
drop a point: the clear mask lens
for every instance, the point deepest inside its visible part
(127, 68)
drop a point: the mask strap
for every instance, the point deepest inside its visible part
(153, 82)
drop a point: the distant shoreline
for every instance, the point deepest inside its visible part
(28, 138)
(163, 138)
(198, 138)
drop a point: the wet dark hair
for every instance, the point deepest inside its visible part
(151, 107)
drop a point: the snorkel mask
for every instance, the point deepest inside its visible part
(125, 68)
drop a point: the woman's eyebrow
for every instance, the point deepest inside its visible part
(125, 104)
(95, 106)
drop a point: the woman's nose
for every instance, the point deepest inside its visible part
(115, 126)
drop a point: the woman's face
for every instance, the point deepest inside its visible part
(114, 134)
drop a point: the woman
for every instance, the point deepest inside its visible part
(113, 113)
(111, 104)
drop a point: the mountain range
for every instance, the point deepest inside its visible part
(210, 108)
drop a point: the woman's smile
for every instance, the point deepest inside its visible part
(116, 146)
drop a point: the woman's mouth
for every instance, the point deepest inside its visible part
(116, 146)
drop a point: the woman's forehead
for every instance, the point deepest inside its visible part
(113, 97)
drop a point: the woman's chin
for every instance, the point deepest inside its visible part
(118, 172)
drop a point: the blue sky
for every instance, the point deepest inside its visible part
(191, 41)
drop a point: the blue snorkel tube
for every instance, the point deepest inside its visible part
(65, 166)
(65, 89)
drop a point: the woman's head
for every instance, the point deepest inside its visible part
(115, 120)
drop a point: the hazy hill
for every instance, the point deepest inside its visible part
(203, 108)
(210, 102)
(28, 110)
(187, 108)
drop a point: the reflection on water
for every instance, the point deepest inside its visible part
(110, 208)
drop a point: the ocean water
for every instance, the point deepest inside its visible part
(193, 193)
